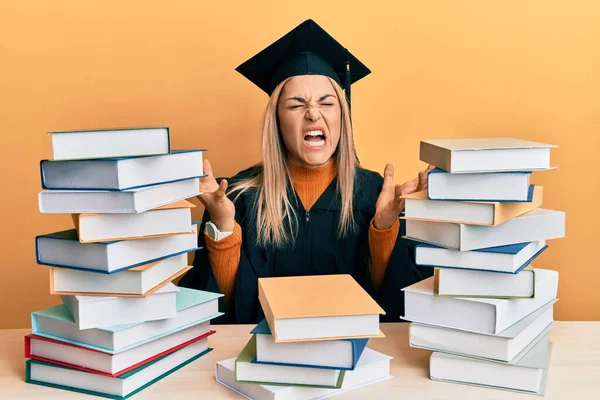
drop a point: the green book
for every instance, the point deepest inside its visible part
(121, 387)
(247, 370)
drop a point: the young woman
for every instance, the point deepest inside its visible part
(308, 208)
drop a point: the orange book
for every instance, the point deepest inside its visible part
(171, 219)
(140, 281)
(492, 213)
(321, 307)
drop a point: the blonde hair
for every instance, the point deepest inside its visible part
(274, 210)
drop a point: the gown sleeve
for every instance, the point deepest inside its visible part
(243, 307)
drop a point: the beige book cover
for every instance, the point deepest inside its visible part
(439, 152)
(138, 269)
(502, 211)
(314, 296)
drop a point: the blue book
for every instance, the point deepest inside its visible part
(505, 259)
(120, 387)
(194, 307)
(63, 249)
(122, 173)
(330, 354)
(488, 187)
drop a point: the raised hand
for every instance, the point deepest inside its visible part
(389, 203)
(213, 197)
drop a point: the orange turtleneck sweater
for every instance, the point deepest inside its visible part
(224, 254)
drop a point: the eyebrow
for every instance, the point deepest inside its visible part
(303, 100)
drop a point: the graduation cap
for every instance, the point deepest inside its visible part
(306, 50)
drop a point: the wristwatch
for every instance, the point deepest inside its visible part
(214, 232)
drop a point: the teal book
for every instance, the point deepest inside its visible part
(121, 387)
(193, 307)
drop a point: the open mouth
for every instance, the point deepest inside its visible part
(314, 138)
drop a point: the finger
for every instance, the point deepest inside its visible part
(410, 186)
(207, 168)
(430, 168)
(222, 188)
(388, 176)
(397, 200)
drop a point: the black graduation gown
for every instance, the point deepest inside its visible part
(317, 251)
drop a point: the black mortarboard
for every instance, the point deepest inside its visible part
(305, 50)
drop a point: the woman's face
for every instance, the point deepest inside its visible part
(309, 119)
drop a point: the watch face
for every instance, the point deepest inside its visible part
(210, 229)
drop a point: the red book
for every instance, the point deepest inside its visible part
(95, 361)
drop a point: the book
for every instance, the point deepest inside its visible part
(504, 346)
(116, 202)
(248, 372)
(77, 357)
(93, 311)
(419, 207)
(492, 186)
(121, 387)
(194, 307)
(372, 367)
(336, 354)
(539, 224)
(528, 374)
(323, 307)
(122, 173)
(480, 315)
(140, 281)
(486, 155)
(505, 259)
(170, 219)
(63, 249)
(452, 282)
(117, 142)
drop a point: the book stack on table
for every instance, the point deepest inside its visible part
(122, 324)
(486, 312)
(312, 343)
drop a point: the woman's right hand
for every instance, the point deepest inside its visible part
(212, 196)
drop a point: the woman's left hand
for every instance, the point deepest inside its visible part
(389, 204)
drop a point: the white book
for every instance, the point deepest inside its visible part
(78, 357)
(341, 354)
(122, 173)
(93, 311)
(465, 283)
(481, 315)
(505, 259)
(111, 202)
(138, 281)
(419, 207)
(102, 143)
(248, 371)
(63, 249)
(486, 154)
(372, 367)
(493, 186)
(116, 387)
(504, 346)
(193, 307)
(529, 373)
(170, 219)
(539, 224)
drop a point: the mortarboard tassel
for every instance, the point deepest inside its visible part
(347, 77)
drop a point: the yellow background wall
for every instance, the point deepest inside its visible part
(441, 69)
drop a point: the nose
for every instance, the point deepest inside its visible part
(313, 114)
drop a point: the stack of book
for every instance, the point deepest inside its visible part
(486, 313)
(122, 324)
(312, 342)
